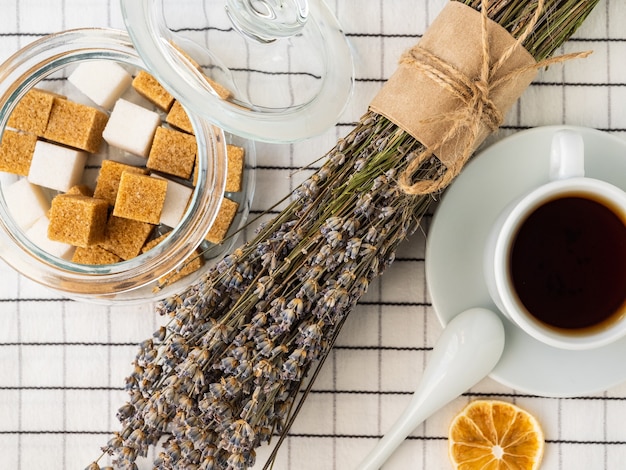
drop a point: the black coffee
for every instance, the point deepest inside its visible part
(568, 263)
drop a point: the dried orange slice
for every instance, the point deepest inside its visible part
(495, 435)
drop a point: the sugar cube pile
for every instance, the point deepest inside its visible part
(128, 209)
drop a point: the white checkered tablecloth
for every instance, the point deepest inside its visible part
(63, 363)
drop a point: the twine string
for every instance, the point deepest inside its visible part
(477, 109)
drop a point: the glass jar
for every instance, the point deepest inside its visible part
(46, 63)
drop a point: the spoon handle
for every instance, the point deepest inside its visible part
(405, 424)
(468, 349)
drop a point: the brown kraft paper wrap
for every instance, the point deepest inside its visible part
(422, 104)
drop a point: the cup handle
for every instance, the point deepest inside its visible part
(567, 158)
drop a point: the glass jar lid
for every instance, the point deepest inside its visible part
(279, 70)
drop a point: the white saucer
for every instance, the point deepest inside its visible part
(454, 256)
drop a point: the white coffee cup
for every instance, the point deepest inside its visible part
(552, 272)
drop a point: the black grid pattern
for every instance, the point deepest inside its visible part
(63, 363)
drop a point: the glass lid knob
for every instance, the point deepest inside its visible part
(268, 20)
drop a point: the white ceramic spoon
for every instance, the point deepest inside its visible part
(467, 350)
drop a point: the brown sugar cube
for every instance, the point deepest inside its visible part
(194, 176)
(109, 177)
(223, 92)
(82, 189)
(222, 223)
(172, 152)
(94, 255)
(76, 125)
(140, 197)
(125, 237)
(148, 87)
(178, 118)
(184, 53)
(194, 262)
(32, 112)
(234, 174)
(154, 242)
(78, 220)
(16, 152)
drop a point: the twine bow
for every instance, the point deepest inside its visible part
(477, 109)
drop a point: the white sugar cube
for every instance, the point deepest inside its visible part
(38, 234)
(131, 127)
(56, 167)
(176, 199)
(101, 81)
(26, 202)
